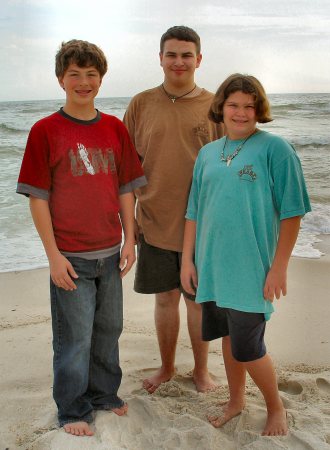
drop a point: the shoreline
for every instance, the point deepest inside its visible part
(323, 246)
(297, 337)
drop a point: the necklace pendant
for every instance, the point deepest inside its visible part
(176, 97)
(228, 162)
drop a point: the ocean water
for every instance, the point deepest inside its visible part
(303, 119)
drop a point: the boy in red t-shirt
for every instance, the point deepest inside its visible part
(79, 171)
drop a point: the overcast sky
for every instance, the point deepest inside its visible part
(284, 43)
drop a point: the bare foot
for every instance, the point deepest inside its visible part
(276, 424)
(204, 382)
(121, 411)
(161, 376)
(229, 411)
(78, 429)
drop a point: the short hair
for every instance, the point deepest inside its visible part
(82, 53)
(181, 33)
(242, 83)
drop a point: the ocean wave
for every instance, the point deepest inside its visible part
(304, 246)
(41, 111)
(323, 143)
(287, 107)
(322, 105)
(318, 220)
(11, 129)
(10, 152)
(300, 114)
(304, 107)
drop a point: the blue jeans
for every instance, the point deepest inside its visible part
(87, 324)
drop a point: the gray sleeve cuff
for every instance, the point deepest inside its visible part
(134, 184)
(27, 190)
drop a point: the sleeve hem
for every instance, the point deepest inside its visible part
(191, 216)
(134, 184)
(295, 213)
(27, 190)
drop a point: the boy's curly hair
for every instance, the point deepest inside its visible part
(82, 53)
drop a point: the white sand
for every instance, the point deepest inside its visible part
(298, 338)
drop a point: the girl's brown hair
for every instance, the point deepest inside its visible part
(242, 83)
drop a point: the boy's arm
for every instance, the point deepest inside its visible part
(188, 269)
(129, 121)
(127, 208)
(61, 269)
(275, 283)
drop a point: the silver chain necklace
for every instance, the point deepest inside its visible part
(228, 159)
(176, 97)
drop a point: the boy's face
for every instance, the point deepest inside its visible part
(179, 61)
(81, 84)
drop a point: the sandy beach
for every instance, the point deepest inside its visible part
(297, 337)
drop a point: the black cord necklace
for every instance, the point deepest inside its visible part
(176, 97)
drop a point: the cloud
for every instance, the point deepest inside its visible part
(282, 42)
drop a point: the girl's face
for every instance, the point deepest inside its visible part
(239, 115)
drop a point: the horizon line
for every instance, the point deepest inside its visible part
(131, 96)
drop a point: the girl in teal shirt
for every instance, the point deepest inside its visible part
(247, 198)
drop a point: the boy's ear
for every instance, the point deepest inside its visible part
(60, 82)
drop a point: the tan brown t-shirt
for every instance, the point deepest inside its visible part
(167, 136)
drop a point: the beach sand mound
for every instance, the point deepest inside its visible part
(174, 417)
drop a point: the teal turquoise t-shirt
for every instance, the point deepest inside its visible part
(238, 209)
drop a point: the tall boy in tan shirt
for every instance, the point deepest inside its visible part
(168, 125)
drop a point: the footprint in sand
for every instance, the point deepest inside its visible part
(323, 385)
(290, 387)
(298, 441)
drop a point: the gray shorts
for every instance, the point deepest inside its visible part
(157, 270)
(246, 330)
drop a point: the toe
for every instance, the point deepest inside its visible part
(152, 388)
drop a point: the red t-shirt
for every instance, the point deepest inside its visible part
(81, 168)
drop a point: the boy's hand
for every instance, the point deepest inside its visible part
(275, 284)
(189, 277)
(127, 258)
(62, 272)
